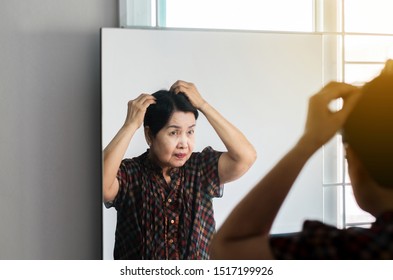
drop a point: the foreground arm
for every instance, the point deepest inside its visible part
(240, 153)
(245, 233)
(116, 149)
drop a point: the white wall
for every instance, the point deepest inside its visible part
(50, 127)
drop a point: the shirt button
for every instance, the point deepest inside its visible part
(170, 241)
(169, 200)
(172, 221)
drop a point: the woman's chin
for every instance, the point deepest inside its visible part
(179, 162)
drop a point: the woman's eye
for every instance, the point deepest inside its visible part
(173, 133)
(191, 132)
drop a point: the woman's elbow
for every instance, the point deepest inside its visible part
(247, 160)
(216, 249)
(252, 156)
(109, 192)
(224, 249)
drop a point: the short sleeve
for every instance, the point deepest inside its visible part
(125, 176)
(207, 163)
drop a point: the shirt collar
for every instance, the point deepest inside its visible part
(154, 167)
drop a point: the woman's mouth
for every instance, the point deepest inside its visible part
(180, 155)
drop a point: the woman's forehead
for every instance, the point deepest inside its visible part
(181, 120)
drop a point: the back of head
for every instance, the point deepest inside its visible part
(167, 102)
(369, 128)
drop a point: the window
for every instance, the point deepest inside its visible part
(278, 15)
(368, 16)
(366, 42)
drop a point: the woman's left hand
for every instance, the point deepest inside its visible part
(190, 90)
(322, 123)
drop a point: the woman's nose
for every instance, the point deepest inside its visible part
(182, 142)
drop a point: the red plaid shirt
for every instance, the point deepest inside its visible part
(320, 241)
(160, 221)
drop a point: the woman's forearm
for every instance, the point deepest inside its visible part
(262, 204)
(240, 150)
(114, 154)
(249, 224)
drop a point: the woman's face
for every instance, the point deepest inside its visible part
(174, 143)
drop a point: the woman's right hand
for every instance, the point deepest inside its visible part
(137, 109)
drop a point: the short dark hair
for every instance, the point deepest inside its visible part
(167, 102)
(369, 129)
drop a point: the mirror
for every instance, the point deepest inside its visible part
(258, 81)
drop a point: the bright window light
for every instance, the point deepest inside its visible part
(284, 15)
(368, 48)
(369, 16)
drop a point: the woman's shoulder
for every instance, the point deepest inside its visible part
(207, 156)
(135, 162)
(205, 152)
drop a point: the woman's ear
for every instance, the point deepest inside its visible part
(148, 136)
(351, 156)
(356, 168)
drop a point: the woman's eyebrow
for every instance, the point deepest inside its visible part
(179, 127)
